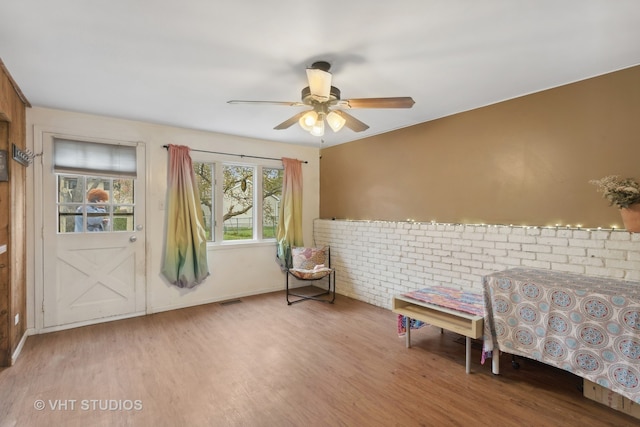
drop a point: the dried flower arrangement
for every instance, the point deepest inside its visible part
(621, 192)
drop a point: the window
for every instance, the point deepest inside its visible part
(271, 193)
(239, 202)
(90, 203)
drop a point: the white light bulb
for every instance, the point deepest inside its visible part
(318, 127)
(307, 120)
(335, 120)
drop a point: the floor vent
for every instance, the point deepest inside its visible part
(231, 301)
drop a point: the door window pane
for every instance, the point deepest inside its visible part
(90, 203)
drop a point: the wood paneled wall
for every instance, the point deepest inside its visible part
(12, 219)
(526, 161)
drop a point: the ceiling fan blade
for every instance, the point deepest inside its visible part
(396, 102)
(290, 121)
(287, 103)
(351, 122)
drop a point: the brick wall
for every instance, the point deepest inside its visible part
(377, 259)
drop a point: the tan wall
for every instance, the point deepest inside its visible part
(526, 161)
(12, 223)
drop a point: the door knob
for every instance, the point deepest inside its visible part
(133, 239)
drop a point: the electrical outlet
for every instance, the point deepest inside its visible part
(17, 319)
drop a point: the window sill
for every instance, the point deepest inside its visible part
(238, 244)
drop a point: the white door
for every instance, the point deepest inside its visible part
(89, 276)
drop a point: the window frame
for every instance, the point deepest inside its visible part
(217, 198)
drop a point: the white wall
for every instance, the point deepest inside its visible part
(236, 270)
(375, 260)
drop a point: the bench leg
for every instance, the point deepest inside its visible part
(468, 350)
(495, 362)
(408, 333)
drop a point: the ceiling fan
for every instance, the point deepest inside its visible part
(326, 104)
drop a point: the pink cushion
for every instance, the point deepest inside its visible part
(308, 258)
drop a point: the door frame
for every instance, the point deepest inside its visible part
(37, 296)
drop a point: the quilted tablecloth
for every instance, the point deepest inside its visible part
(455, 299)
(589, 326)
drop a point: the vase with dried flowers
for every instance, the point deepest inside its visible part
(625, 194)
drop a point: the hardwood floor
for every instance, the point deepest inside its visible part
(263, 363)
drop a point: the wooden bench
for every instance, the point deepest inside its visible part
(469, 325)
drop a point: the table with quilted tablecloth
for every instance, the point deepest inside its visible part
(589, 326)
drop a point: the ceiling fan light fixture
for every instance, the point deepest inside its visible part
(319, 83)
(318, 127)
(335, 121)
(308, 120)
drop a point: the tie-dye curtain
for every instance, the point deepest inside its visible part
(185, 252)
(289, 232)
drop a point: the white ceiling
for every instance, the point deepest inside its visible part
(179, 62)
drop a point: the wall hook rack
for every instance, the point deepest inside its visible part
(23, 157)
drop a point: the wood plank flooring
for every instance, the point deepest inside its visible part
(263, 363)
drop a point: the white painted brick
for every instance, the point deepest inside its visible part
(536, 264)
(533, 231)
(552, 241)
(377, 259)
(441, 266)
(495, 252)
(472, 264)
(563, 232)
(553, 258)
(483, 244)
(607, 254)
(509, 246)
(586, 261)
(632, 275)
(620, 235)
(424, 263)
(432, 258)
(579, 269)
(511, 262)
(625, 245)
(622, 264)
(516, 238)
(424, 239)
(536, 248)
(522, 255)
(604, 272)
(482, 258)
(461, 255)
(569, 250)
(473, 250)
(472, 236)
(581, 234)
(516, 231)
(461, 269)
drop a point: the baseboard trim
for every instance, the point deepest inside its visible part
(18, 349)
(87, 323)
